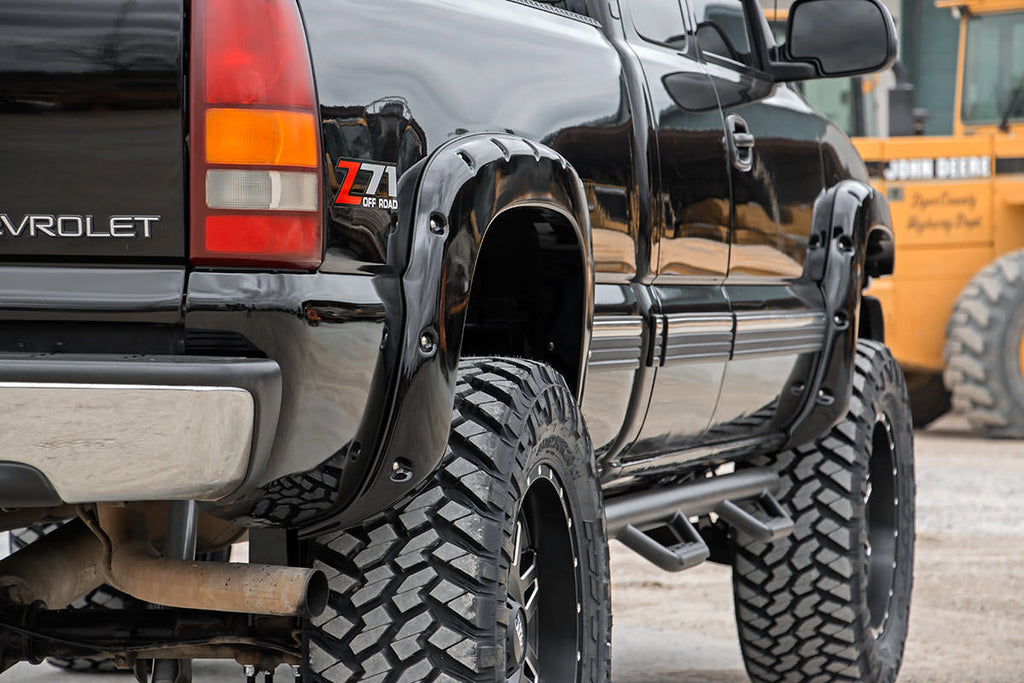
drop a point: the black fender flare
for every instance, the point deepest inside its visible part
(845, 217)
(449, 201)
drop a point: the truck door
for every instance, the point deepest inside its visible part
(690, 229)
(776, 171)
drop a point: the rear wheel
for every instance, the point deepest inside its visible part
(984, 351)
(497, 570)
(831, 602)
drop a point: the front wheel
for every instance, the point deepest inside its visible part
(497, 570)
(831, 602)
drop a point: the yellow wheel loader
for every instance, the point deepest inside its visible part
(954, 309)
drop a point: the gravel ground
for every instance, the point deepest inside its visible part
(967, 619)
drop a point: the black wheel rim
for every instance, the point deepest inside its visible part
(881, 504)
(542, 642)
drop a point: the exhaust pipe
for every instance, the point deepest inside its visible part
(139, 571)
(80, 556)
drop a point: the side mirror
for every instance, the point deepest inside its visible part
(826, 38)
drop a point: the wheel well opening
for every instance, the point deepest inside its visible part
(527, 298)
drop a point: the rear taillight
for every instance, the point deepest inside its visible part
(255, 149)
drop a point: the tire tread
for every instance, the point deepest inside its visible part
(410, 589)
(797, 600)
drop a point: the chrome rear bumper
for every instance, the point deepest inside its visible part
(130, 429)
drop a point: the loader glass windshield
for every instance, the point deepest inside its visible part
(994, 69)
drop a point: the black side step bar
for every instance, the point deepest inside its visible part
(675, 544)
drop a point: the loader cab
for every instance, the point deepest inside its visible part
(990, 70)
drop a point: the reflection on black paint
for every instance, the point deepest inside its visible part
(555, 81)
(773, 203)
(47, 65)
(91, 102)
(385, 131)
(744, 89)
(691, 91)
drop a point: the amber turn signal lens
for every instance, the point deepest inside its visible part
(260, 137)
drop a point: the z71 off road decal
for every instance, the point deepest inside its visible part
(368, 184)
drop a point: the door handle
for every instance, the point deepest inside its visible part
(741, 143)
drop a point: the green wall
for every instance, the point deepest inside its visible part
(928, 48)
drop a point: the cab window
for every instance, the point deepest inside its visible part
(659, 21)
(722, 30)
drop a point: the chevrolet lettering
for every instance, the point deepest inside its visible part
(72, 226)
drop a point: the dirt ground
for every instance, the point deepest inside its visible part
(967, 619)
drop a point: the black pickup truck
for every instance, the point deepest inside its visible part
(428, 300)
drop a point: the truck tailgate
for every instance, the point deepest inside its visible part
(92, 133)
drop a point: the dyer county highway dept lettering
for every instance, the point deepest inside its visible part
(940, 168)
(946, 210)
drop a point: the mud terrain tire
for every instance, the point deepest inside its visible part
(496, 570)
(984, 352)
(832, 601)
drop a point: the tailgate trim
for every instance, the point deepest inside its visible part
(154, 291)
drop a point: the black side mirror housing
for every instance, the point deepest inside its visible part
(828, 38)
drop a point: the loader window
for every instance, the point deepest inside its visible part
(994, 69)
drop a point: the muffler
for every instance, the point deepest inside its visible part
(56, 569)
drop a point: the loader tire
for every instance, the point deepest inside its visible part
(831, 602)
(984, 352)
(496, 569)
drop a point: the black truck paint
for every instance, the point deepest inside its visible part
(684, 298)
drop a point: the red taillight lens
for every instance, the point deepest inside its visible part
(255, 147)
(291, 238)
(253, 55)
